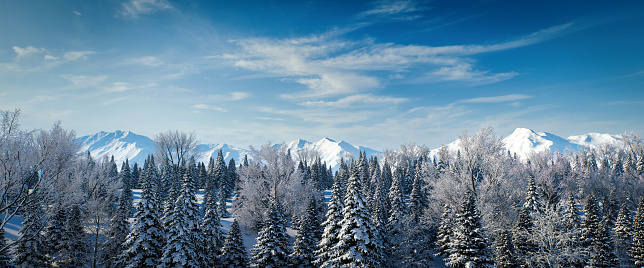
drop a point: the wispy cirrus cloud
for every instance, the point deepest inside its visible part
(135, 8)
(209, 107)
(401, 9)
(355, 100)
(330, 66)
(497, 99)
(232, 96)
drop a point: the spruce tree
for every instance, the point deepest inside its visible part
(119, 229)
(213, 236)
(358, 245)
(637, 247)
(444, 235)
(234, 252)
(623, 236)
(532, 203)
(143, 244)
(75, 247)
(5, 257)
(417, 199)
(29, 250)
(272, 247)
(308, 236)
(596, 238)
(126, 188)
(522, 233)
(54, 233)
(504, 251)
(331, 224)
(469, 246)
(183, 234)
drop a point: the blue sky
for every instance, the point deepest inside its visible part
(373, 73)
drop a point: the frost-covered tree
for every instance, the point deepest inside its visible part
(418, 200)
(126, 190)
(358, 245)
(308, 235)
(183, 233)
(5, 256)
(444, 235)
(74, 241)
(234, 252)
(54, 234)
(532, 202)
(623, 236)
(331, 224)
(596, 238)
(213, 236)
(143, 244)
(522, 235)
(29, 249)
(637, 247)
(504, 251)
(272, 248)
(469, 246)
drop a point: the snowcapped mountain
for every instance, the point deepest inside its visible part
(524, 141)
(330, 151)
(127, 145)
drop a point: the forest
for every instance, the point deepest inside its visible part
(480, 206)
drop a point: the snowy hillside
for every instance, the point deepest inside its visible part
(127, 145)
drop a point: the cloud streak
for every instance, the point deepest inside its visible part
(135, 8)
(497, 99)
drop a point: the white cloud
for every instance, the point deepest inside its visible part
(355, 99)
(75, 55)
(497, 99)
(118, 87)
(77, 13)
(27, 51)
(146, 60)
(84, 81)
(386, 8)
(208, 107)
(50, 57)
(135, 8)
(232, 96)
(464, 72)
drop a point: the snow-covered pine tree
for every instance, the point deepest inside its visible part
(272, 248)
(143, 245)
(397, 210)
(126, 192)
(444, 235)
(523, 246)
(418, 199)
(5, 257)
(74, 244)
(469, 246)
(233, 177)
(29, 250)
(358, 245)
(308, 236)
(532, 202)
(182, 233)
(569, 243)
(331, 224)
(623, 236)
(54, 234)
(637, 247)
(234, 252)
(504, 251)
(596, 237)
(119, 229)
(213, 236)
(219, 171)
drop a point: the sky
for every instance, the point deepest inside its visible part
(372, 73)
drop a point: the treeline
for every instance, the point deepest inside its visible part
(479, 206)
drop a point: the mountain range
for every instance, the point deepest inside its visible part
(128, 145)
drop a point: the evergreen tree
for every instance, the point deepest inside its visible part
(183, 234)
(119, 229)
(5, 257)
(623, 236)
(532, 203)
(569, 241)
(75, 247)
(596, 237)
(358, 245)
(308, 236)
(54, 234)
(418, 200)
(272, 248)
(504, 251)
(29, 249)
(144, 243)
(213, 236)
(444, 235)
(331, 224)
(469, 246)
(126, 189)
(234, 252)
(637, 247)
(523, 246)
